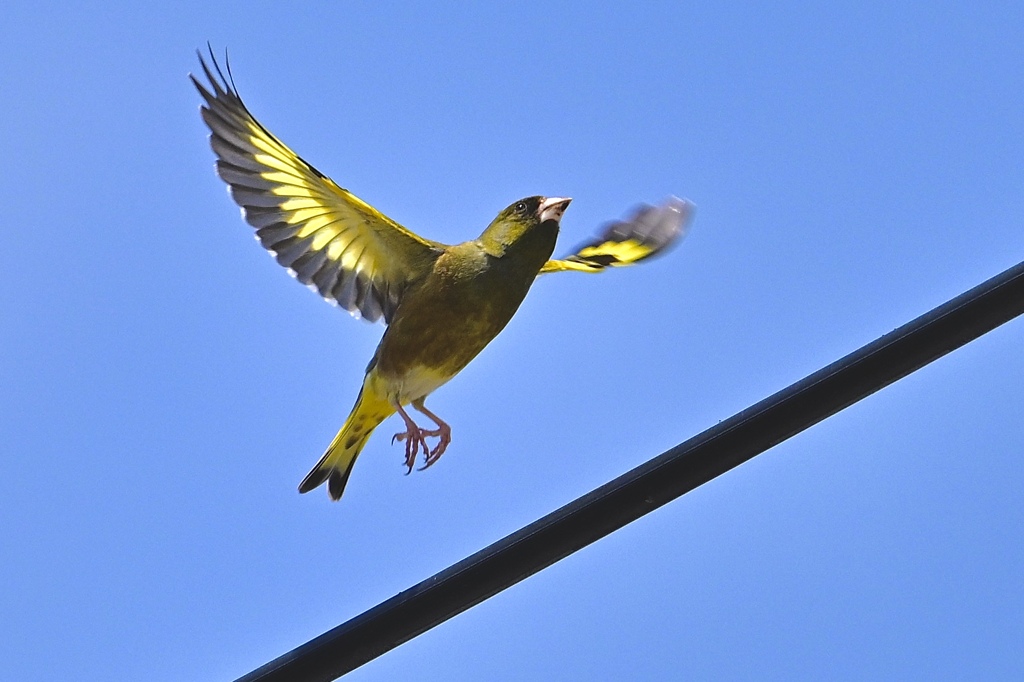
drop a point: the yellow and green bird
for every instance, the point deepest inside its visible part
(442, 304)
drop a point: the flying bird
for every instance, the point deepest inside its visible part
(441, 303)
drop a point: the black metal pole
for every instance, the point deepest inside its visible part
(652, 484)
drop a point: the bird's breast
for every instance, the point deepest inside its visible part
(445, 322)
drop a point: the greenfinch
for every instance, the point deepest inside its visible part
(442, 304)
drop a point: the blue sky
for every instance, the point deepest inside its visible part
(165, 386)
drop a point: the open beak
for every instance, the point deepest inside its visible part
(553, 208)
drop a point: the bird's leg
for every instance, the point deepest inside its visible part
(413, 436)
(443, 433)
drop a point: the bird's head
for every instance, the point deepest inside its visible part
(534, 217)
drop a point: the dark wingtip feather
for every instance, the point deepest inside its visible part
(223, 86)
(654, 226)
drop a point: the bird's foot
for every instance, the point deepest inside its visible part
(444, 436)
(414, 438)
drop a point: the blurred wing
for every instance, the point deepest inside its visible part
(329, 239)
(649, 231)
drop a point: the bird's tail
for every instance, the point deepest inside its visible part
(336, 464)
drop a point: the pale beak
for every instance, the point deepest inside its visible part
(553, 208)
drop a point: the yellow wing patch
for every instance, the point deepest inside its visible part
(628, 251)
(329, 239)
(649, 231)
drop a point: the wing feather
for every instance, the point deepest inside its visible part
(649, 231)
(330, 240)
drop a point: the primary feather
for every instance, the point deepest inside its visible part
(331, 240)
(644, 234)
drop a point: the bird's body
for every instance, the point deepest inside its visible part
(443, 304)
(442, 323)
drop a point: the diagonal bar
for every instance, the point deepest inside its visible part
(652, 484)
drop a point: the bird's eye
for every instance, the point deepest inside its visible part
(520, 207)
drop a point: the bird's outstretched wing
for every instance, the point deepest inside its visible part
(329, 239)
(647, 232)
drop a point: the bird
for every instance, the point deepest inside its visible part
(441, 304)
